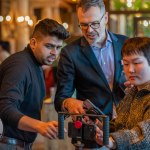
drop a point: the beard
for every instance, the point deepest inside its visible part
(96, 40)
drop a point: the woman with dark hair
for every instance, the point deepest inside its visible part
(131, 129)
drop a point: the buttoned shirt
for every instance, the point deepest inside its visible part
(105, 58)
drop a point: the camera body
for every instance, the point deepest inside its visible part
(86, 132)
(82, 132)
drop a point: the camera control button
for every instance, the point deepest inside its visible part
(78, 124)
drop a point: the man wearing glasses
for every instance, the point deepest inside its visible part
(91, 65)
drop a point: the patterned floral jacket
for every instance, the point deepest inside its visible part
(132, 125)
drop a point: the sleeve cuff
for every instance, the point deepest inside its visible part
(121, 138)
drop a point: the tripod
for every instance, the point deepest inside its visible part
(79, 145)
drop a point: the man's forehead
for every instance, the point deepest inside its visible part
(91, 14)
(53, 39)
(54, 43)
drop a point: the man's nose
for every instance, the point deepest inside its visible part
(89, 28)
(53, 51)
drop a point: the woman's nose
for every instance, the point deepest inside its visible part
(131, 69)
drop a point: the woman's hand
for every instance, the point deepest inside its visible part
(99, 139)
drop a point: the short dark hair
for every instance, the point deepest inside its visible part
(50, 27)
(86, 4)
(137, 45)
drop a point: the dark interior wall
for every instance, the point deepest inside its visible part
(0, 23)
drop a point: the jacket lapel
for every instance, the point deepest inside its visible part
(117, 45)
(87, 50)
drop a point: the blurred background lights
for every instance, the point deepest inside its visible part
(1, 18)
(129, 3)
(30, 22)
(20, 19)
(145, 23)
(8, 18)
(27, 18)
(65, 25)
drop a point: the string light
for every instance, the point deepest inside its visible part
(1, 18)
(129, 3)
(19, 19)
(145, 23)
(65, 25)
(8, 18)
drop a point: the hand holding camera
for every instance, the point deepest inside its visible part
(82, 131)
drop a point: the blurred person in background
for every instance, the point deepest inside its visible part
(50, 81)
(22, 87)
(4, 50)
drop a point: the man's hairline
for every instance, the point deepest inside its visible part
(85, 10)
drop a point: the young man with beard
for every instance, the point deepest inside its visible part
(91, 64)
(22, 87)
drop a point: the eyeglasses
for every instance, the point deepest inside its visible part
(93, 25)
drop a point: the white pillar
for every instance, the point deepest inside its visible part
(74, 28)
(56, 11)
(52, 11)
(22, 33)
(122, 24)
(47, 12)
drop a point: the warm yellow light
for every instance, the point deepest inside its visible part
(129, 4)
(129, 1)
(145, 5)
(30, 22)
(140, 22)
(20, 19)
(145, 23)
(1, 18)
(65, 25)
(27, 18)
(8, 18)
(138, 15)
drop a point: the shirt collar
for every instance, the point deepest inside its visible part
(108, 41)
(108, 37)
(144, 89)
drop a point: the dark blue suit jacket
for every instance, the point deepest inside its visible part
(79, 69)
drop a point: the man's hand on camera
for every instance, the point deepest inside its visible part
(73, 105)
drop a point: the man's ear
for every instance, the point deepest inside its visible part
(106, 17)
(33, 43)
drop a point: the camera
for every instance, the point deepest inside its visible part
(81, 131)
